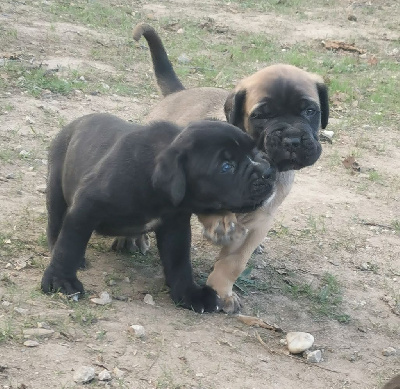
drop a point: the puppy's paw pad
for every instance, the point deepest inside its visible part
(230, 304)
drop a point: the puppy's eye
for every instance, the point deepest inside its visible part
(257, 115)
(227, 167)
(310, 111)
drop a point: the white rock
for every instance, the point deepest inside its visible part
(21, 311)
(37, 332)
(104, 375)
(104, 299)
(328, 134)
(31, 343)
(314, 356)
(148, 299)
(118, 372)
(389, 351)
(297, 342)
(84, 374)
(138, 330)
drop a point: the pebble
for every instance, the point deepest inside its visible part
(10, 176)
(138, 330)
(314, 356)
(104, 375)
(118, 372)
(31, 343)
(183, 58)
(41, 188)
(104, 299)
(148, 299)
(389, 351)
(21, 311)
(328, 134)
(84, 374)
(297, 342)
(112, 282)
(37, 332)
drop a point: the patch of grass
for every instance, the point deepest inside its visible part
(326, 298)
(6, 331)
(85, 314)
(245, 282)
(93, 13)
(36, 80)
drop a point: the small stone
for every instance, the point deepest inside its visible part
(82, 78)
(314, 356)
(24, 153)
(10, 176)
(127, 280)
(29, 120)
(138, 330)
(37, 332)
(31, 343)
(112, 282)
(104, 299)
(352, 18)
(104, 375)
(180, 31)
(148, 299)
(118, 372)
(183, 58)
(6, 303)
(328, 134)
(297, 342)
(84, 374)
(389, 351)
(21, 311)
(41, 188)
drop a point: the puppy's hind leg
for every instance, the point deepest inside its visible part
(56, 207)
(173, 242)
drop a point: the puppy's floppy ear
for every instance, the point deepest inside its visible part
(169, 176)
(234, 108)
(324, 103)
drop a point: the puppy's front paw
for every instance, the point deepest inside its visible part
(53, 282)
(230, 304)
(224, 229)
(132, 244)
(199, 299)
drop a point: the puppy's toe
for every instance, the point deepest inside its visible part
(133, 244)
(230, 304)
(199, 299)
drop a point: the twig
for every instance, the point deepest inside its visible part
(377, 225)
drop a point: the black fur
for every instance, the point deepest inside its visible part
(121, 179)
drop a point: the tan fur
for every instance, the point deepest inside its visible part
(199, 103)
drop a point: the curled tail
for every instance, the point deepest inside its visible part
(166, 77)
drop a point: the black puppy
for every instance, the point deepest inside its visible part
(121, 179)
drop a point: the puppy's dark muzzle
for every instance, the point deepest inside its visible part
(263, 186)
(292, 147)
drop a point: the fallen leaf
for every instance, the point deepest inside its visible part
(337, 45)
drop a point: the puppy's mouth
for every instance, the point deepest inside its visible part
(291, 150)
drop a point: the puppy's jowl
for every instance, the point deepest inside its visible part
(282, 107)
(121, 179)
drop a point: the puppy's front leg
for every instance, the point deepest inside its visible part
(173, 242)
(68, 253)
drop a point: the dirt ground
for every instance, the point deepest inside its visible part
(339, 228)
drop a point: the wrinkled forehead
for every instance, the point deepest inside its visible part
(284, 88)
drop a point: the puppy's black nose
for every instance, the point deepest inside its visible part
(291, 143)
